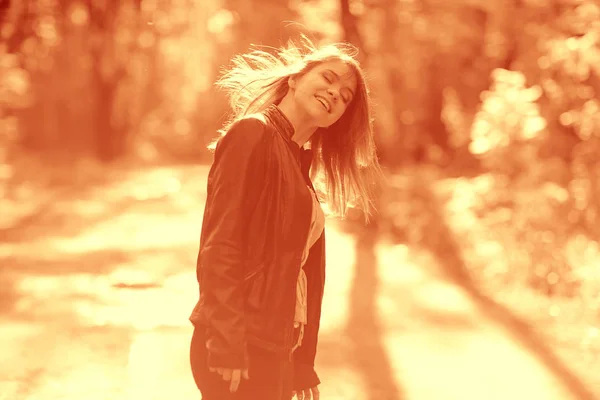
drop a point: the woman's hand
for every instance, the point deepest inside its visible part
(234, 376)
(307, 394)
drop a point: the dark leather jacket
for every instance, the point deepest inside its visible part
(255, 228)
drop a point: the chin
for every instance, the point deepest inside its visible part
(316, 111)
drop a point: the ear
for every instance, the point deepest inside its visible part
(292, 82)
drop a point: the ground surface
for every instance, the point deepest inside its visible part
(96, 307)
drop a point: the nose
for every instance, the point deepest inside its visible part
(333, 93)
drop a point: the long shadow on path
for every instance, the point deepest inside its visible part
(363, 328)
(440, 241)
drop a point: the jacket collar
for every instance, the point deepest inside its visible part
(280, 121)
(283, 125)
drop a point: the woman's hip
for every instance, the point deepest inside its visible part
(271, 375)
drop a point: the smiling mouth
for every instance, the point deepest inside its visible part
(324, 103)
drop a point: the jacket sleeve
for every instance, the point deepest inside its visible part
(234, 182)
(305, 376)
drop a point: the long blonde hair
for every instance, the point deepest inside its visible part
(345, 166)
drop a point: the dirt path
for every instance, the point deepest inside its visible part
(98, 310)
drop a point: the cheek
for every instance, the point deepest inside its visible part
(341, 110)
(301, 97)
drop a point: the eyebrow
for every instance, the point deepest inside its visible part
(338, 77)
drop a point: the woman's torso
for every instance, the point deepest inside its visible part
(277, 235)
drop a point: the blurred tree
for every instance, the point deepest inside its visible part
(16, 24)
(77, 65)
(350, 26)
(538, 126)
(260, 22)
(109, 70)
(433, 50)
(233, 28)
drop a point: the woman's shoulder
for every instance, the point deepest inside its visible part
(249, 130)
(254, 122)
(257, 117)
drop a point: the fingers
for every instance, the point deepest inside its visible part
(235, 378)
(316, 394)
(219, 371)
(226, 374)
(307, 394)
(303, 394)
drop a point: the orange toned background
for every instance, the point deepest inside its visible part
(478, 279)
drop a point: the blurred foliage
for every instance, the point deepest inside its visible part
(501, 97)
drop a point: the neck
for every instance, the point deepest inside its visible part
(303, 128)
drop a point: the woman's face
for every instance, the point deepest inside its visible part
(325, 91)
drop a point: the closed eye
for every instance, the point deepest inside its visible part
(346, 97)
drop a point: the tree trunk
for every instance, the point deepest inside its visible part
(16, 21)
(435, 133)
(107, 71)
(350, 27)
(259, 22)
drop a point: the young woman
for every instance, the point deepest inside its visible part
(301, 113)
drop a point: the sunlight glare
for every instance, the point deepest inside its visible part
(79, 14)
(220, 21)
(144, 365)
(395, 265)
(340, 273)
(343, 383)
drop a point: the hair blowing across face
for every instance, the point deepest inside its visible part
(345, 167)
